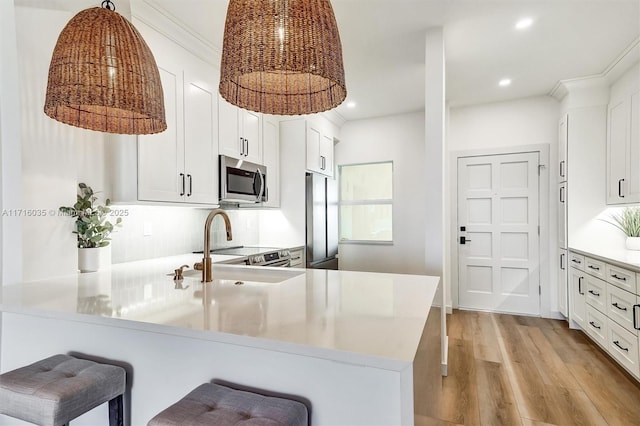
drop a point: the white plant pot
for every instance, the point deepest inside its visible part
(633, 243)
(94, 259)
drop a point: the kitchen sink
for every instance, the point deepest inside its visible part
(252, 274)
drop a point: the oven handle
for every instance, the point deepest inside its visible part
(285, 263)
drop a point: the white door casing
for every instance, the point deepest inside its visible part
(498, 203)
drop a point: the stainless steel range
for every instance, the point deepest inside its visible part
(259, 256)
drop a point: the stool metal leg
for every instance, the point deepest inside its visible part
(115, 411)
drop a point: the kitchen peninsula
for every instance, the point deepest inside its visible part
(344, 341)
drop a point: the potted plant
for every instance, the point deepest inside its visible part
(628, 221)
(92, 228)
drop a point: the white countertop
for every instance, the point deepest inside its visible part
(342, 315)
(621, 256)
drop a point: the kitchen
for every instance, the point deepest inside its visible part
(55, 159)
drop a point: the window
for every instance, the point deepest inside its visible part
(366, 202)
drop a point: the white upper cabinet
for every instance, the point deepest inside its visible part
(562, 148)
(180, 164)
(271, 158)
(240, 132)
(623, 141)
(319, 149)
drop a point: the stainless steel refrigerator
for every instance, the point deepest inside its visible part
(322, 222)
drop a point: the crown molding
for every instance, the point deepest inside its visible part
(167, 24)
(629, 57)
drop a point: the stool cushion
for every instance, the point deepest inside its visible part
(57, 389)
(211, 404)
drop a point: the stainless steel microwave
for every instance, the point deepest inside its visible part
(242, 181)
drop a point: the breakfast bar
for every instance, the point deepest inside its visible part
(306, 333)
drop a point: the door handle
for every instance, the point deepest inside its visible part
(593, 324)
(183, 184)
(617, 343)
(618, 278)
(580, 285)
(242, 146)
(562, 194)
(246, 152)
(622, 308)
(562, 168)
(464, 240)
(190, 185)
(594, 293)
(635, 318)
(561, 262)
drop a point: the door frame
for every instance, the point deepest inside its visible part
(548, 293)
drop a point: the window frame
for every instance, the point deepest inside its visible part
(370, 202)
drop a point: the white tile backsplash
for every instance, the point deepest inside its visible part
(175, 231)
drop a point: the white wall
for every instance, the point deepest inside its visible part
(511, 126)
(400, 139)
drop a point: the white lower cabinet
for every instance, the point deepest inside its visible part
(563, 281)
(596, 326)
(623, 346)
(577, 299)
(608, 311)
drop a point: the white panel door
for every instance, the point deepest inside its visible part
(498, 248)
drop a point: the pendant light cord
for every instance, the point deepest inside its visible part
(108, 4)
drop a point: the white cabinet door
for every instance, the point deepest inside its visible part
(562, 215)
(577, 303)
(617, 153)
(562, 148)
(161, 155)
(623, 150)
(319, 149)
(326, 155)
(250, 130)
(271, 159)
(633, 159)
(229, 140)
(314, 138)
(240, 132)
(563, 279)
(200, 131)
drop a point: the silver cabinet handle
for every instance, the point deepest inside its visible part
(241, 146)
(561, 262)
(562, 194)
(562, 172)
(635, 318)
(190, 185)
(246, 152)
(183, 184)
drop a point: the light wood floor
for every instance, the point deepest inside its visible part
(512, 370)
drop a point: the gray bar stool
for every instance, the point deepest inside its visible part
(213, 404)
(56, 390)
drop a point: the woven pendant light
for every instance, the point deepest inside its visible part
(282, 57)
(103, 76)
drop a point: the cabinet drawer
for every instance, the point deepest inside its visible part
(596, 326)
(594, 267)
(621, 277)
(596, 293)
(623, 346)
(576, 261)
(620, 307)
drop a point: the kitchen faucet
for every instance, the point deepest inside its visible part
(206, 264)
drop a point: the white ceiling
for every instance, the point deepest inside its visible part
(383, 45)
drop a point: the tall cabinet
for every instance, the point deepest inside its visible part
(563, 272)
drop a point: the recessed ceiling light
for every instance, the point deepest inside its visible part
(524, 23)
(351, 104)
(504, 82)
